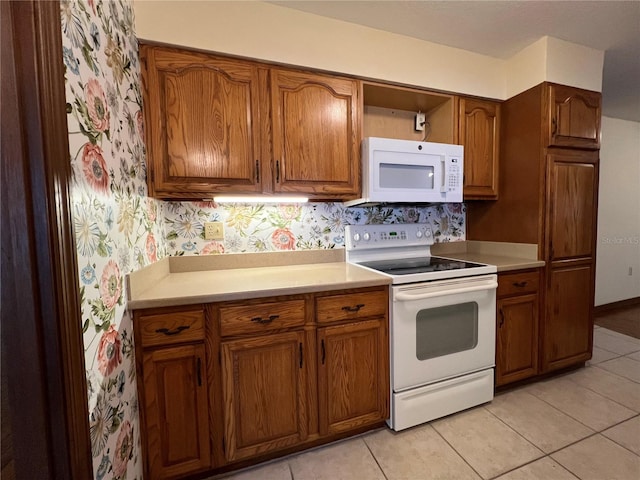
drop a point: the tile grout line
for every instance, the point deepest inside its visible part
(375, 459)
(610, 371)
(456, 451)
(614, 441)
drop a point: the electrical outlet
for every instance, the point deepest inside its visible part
(213, 231)
(421, 119)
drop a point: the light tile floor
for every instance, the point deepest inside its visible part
(585, 424)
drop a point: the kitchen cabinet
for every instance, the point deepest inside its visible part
(264, 390)
(316, 133)
(174, 393)
(353, 375)
(479, 133)
(202, 118)
(548, 197)
(574, 117)
(517, 326)
(216, 125)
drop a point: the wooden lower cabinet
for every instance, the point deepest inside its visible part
(176, 411)
(352, 376)
(567, 336)
(264, 390)
(517, 327)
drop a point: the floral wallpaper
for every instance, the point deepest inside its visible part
(117, 227)
(263, 228)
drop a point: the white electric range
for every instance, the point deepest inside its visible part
(442, 321)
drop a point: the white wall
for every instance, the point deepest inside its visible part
(618, 212)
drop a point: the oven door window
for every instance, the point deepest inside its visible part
(445, 330)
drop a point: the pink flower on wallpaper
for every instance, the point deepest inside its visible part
(152, 254)
(212, 247)
(283, 239)
(95, 168)
(152, 210)
(109, 351)
(110, 285)
(124, 449)
(289, 212)
(97, 105)
(454, 208)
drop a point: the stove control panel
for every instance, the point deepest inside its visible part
(387, 236)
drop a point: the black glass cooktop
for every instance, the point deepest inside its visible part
(408, 266)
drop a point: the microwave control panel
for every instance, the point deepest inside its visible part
(453, 175)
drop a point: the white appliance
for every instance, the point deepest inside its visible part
(404, 171)
(442, 322)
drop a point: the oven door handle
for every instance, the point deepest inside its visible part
(404, 296)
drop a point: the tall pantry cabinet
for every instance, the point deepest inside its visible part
(548, 196)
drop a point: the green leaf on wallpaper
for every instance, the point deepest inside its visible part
(172, 235)
(85, 326)
(69, 108)
(102, 249)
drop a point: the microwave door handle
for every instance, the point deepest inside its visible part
(404, 296)
(445, 180)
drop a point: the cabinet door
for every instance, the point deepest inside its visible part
(479, 132)
(264, 388)
(176, 411)
(353, 377)
(574, 117)
(573, 200)
(517, 338)
(568, 325)
(316, 134)
(201, 120)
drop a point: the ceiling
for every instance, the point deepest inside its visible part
(502, 28)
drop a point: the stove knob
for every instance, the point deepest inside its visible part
(419, 234)
(356, 237)
(366, 236)
(428, 233)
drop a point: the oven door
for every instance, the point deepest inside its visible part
(442, 329)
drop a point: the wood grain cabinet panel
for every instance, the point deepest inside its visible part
(316, 134)
(351, 306)
(517, 338)
(568, 327)
(201, 118)
(176, 411)
(573, 197)
(479, 133)
(264, 391)
(574, 117)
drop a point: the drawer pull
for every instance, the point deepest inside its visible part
(324, 352)
(353, 309)
(179, 329)
(199, 371)
(520, 284)
(262, 321)
(501, 318)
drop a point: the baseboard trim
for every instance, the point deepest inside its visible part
(607, 307)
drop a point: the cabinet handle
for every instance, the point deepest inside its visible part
(199, 371)
(323, 351)
(554, 126)
(262, 321)
(179, 329)
(257, 171)
(353, 309)
(277, 171)
(300, 354)
(520, 284)
(501, 319)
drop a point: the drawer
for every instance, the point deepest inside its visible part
(170, 328)
(261, 317)
(516, 283)
(352, 306)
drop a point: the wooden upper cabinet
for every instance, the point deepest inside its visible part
(479, 133)
(573, 193)
(176, 411)
(201, 118)
(315, 134)
(574, 117)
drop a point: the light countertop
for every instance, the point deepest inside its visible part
(163, 284)
(506, 256)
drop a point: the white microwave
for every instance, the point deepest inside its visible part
(405, 171)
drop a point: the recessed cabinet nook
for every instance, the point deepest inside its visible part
(228, 384)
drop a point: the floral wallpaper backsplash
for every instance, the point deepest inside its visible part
(264, 228)
(117, 227)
